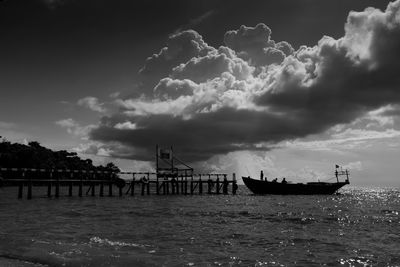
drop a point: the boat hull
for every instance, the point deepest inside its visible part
(260, 187)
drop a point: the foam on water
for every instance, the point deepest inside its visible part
(360, 227)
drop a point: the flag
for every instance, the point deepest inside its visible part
(337, 166)
(165, 153)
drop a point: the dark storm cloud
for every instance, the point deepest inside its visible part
(258, 92)
(205, 135)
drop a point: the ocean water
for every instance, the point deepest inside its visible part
(359, 227)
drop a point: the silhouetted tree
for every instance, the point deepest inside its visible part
(33, 155)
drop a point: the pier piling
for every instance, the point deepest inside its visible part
(200, 185)
(217, 185)
(93, 189)
(210, 184)
(80, 188)
(142, 188)
(20, 189)
(57, 194)
(133, 186)
(148, 183)
(101, 193)
(70, 189)
(157, 185)
(49, 189)
(29, 189)
(110, 192)
(234, 184)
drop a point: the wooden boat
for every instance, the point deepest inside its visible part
(263, 187)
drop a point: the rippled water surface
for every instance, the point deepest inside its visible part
(359, 227)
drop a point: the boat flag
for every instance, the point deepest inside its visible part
(165, 153)
(337, 166)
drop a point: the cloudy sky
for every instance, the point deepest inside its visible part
(290, 87)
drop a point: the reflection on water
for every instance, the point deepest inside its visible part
(360, 227)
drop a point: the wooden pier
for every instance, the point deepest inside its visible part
(97, 183)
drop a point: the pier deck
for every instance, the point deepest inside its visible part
(92, 183)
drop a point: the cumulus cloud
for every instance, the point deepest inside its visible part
(91, 103)
(212, 65)
(255, 45)
(378, 118)
(73, 127)
(254, 92)
(180, 48)
(126, 126)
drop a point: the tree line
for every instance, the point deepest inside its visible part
(33, 155)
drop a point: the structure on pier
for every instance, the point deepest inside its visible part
(169, 166)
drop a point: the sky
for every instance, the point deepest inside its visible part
(288, 87)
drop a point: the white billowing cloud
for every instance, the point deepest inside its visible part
(378, 118)
(137, 107)
(212, 65)
(67, 123)
(73, 127)
(361, 135)
(255, 45)
(186, 98)
(180, 48)
(256, 91)
(91, 103)
(169, 88)
(126, 126)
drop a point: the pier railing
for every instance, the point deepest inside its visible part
(146, 183)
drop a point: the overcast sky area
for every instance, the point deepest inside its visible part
(288, 87)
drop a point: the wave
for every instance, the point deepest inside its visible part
(105, 241)
(15, 260)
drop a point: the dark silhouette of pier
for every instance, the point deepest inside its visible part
(172, 177)
(103, 183)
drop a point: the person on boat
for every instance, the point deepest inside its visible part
(225, 186)
(262, 176)
(174, 181)
(210, 185)
(284, 180)
(234, 188)
(275, 180)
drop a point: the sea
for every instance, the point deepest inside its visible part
(358, 227)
